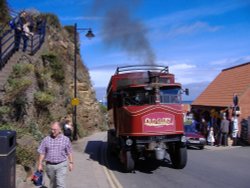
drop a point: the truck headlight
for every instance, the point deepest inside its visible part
(129, 142)
(202, 139)
(183, 139)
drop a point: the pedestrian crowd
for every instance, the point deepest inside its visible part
(217, 130)
(218, 126)
(25, 25)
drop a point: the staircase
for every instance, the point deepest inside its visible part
(7, 69)
(9, 57)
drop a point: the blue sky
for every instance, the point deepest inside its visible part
(195, 38)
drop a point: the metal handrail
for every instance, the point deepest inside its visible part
(36, 42)
(141, 68)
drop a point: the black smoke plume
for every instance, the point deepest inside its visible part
(121, 30)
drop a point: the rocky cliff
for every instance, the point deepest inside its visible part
(39, 90)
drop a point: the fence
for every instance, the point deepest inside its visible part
(8, 39)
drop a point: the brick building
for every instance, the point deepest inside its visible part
(219, 95)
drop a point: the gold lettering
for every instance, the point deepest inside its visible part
(147, 121)
(158, 122)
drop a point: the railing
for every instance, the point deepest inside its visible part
(139, 68)
(6, 47)
(37, 39)
(7, 43)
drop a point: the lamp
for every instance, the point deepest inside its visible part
(90, 34)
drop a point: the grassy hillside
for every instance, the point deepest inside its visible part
(39, 91)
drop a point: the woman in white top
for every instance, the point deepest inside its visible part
(210, 137)
(26, 35)
(235, 130)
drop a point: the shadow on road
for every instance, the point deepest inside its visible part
(98, 151)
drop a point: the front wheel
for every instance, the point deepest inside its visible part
(178, 155)
(127, 160)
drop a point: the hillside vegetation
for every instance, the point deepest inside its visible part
(39, 91)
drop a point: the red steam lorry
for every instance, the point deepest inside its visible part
(145, 106)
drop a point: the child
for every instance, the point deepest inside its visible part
(210, 137)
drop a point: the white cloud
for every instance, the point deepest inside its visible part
(101, 78)
(79, 18)
(190, 29)
(182, 66)
(227, 62)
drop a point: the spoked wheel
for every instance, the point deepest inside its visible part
(178, 155)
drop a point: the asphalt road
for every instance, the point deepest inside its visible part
(221, 167)
(213, 167)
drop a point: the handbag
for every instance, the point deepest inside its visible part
(37, 178)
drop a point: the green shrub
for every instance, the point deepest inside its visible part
(43, 99)
(34, 130)
(58, 76)
(4, 110)
(104, 127)
(52, 20)
(21, 69)
(26, 156)
(81, 132)
(16, 87)
(4, 13)
(15, 83)
(71, 30)
(19, 131)
(49, 57)
(42, 76)
(103, 108)
(18, 81)
(58, 73)
(6, 127)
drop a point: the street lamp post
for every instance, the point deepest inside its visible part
(75, 100)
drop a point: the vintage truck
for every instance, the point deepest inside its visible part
(146, 110)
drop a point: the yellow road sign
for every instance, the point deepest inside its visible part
(75, 102)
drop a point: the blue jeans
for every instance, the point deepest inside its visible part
(223, 139)
(25, 42)
(18, 36)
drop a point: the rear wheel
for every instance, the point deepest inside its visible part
(178, 155)
(201, 147)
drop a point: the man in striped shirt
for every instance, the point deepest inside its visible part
(55, 149)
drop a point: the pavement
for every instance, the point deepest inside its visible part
(216, 148)
(87, 170)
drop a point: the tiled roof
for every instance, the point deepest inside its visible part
(220, 91)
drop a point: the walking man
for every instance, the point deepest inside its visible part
(55, 149)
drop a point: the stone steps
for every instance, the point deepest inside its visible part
(7, 69)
